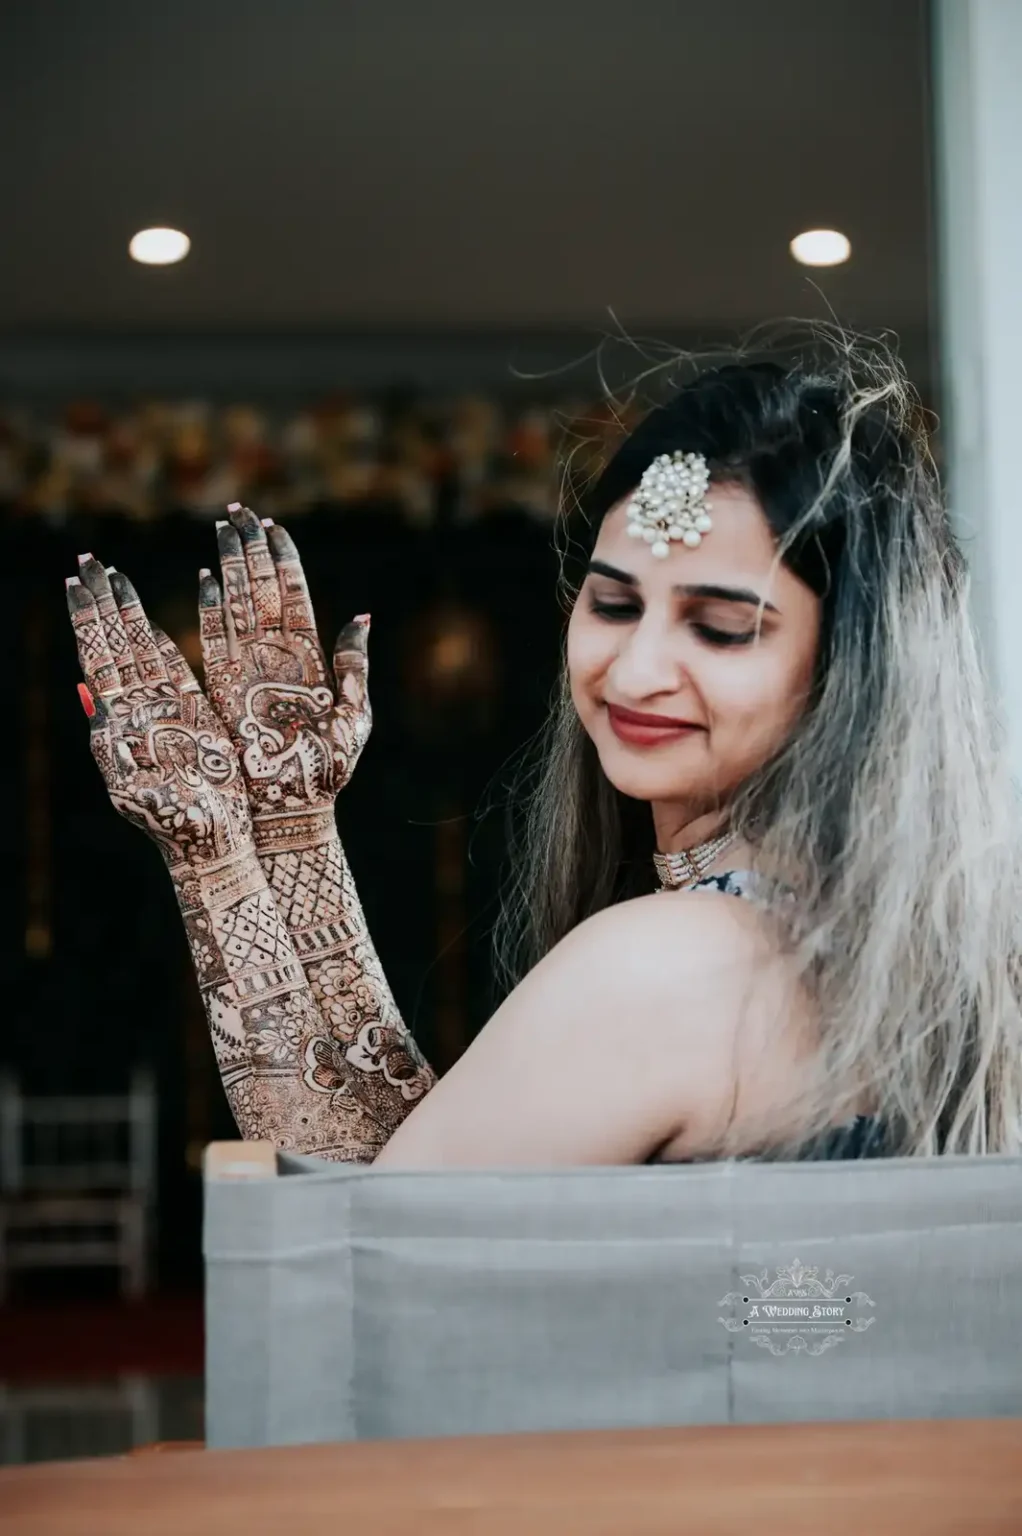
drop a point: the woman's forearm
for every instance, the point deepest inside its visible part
(283, 1074)
(312, 884)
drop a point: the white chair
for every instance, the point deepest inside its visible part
(51, 1422)
(77, 1181)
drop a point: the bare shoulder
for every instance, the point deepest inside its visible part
(620, 1037)
(706, 961)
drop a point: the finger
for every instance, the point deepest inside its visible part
(237, 590)
(112, 754)
(98, 667)
(294, 591)
(212, 624)
(298, 617)
(93, 576)
(351, 662)
(178, 670)
(262, 573)
(138, 629)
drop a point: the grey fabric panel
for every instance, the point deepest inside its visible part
(347, 1303)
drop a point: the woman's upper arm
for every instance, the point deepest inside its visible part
(600, 1052)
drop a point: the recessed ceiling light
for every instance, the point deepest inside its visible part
(821, 248)
(159, 247)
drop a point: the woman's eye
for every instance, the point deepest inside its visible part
(614, 610)
(724, 636)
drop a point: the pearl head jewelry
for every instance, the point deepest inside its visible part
(670, 502)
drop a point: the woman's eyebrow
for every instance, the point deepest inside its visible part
(599, 568)
(699, 589)
(725, 594)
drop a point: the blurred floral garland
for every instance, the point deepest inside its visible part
(185, 456)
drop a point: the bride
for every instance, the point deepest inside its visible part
(767, 903)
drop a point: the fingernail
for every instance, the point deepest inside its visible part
(361, 618)
(267, 522)
(83, 558)
(234, 506)
(221, 523)
(71, 581)
(88, 704)
(204, 573)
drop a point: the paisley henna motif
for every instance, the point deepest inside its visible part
(299, 738)
(171, 770)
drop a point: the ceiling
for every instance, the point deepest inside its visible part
(368, 164)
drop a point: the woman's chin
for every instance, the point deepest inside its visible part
(639, 781)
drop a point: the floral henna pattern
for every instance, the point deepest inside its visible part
(171, 770)
(316, 896)
(298, 738)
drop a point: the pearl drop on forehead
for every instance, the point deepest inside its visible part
(670, 504)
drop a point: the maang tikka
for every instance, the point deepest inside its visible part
(670, 502)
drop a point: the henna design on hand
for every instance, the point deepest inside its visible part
(299, 740)
(299, 735)
(170, 769)
(167, 762)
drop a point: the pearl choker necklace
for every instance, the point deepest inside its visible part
(675, 871)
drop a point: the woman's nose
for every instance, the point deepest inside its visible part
(645, 663)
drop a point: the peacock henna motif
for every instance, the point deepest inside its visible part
(171, 769)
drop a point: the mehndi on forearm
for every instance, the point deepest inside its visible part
(308, 873)
(282, 1073)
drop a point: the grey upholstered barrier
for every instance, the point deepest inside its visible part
(344, 1303)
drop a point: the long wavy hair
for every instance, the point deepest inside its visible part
(889, 813)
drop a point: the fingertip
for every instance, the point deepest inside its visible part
(79, 598)
(281, 542)
(124, 593)
(209, 591)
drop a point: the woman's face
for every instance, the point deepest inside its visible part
(678, 638)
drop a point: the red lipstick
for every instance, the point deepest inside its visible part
(642, 730)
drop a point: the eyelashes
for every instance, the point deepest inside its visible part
(623, 612)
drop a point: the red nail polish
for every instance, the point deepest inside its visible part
(87, 701)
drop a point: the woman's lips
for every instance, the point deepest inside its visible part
(644, 733)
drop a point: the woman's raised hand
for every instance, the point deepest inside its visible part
(162, 751)
(298, 731)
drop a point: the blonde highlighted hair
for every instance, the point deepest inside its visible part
(889, 813)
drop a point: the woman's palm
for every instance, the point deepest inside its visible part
(160, 747)
(298, 733)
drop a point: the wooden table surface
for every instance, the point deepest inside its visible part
(930, 1478)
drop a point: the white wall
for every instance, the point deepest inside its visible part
(978, 142)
